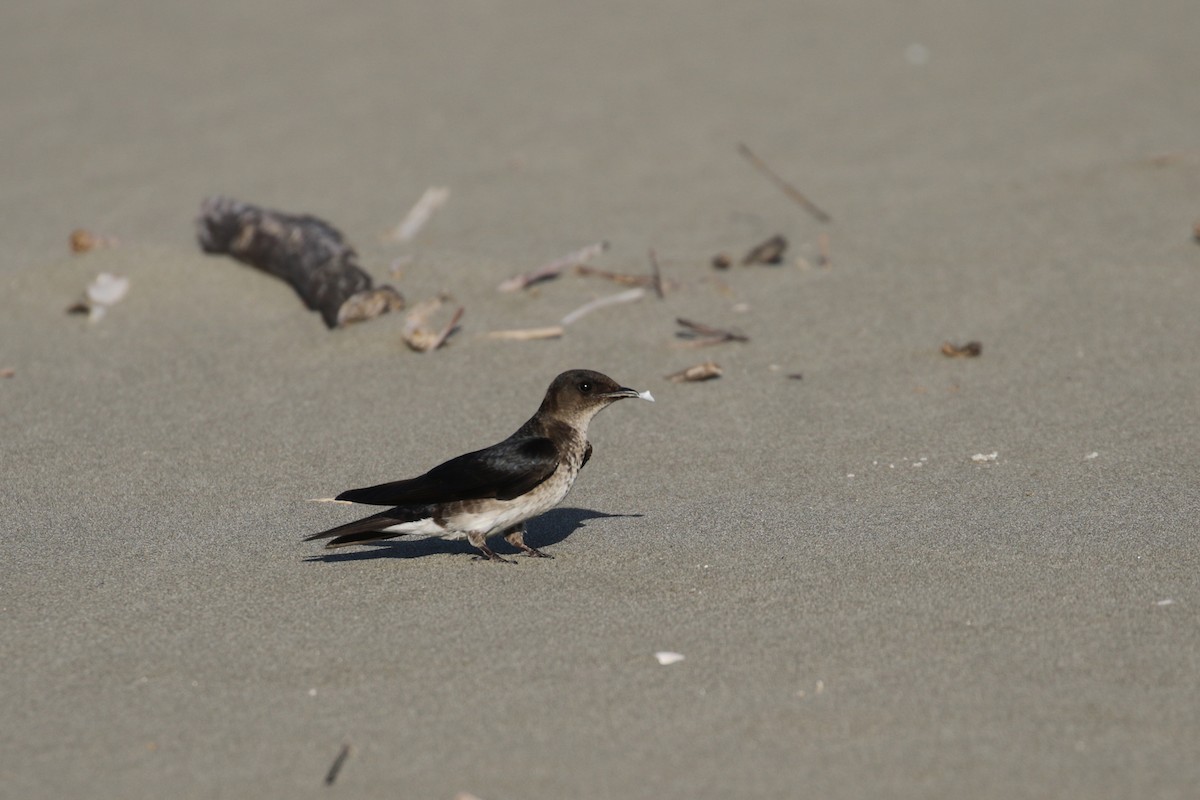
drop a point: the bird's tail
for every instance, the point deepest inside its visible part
(369, 529)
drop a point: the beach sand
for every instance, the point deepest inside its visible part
(863, 609)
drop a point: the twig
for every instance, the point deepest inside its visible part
(702, 335)
(528, 334)
(785, 187)
(612, 299)
(656, 275)
(417, 336)
(451, 326)
(553, 269)
(616, 277)
(433, 199)
(623, 278)
(336, 766)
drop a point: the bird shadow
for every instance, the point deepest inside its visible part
(550, 528)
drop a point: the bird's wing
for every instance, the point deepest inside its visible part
(587, 455)
(503, 471)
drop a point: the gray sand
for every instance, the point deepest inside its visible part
(864, 610)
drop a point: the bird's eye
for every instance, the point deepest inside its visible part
(585, 387)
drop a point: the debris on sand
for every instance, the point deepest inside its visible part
(791, 191)
(306, 252)
(417, 334)
(621, 297)
(553, 269)
(698, 372)
(101, 294)
(769, 252)
(528, 334)
(434, 198)
(84, 241)
(698, 334)
(968, 350)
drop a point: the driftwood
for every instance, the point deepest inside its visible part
(307, 252)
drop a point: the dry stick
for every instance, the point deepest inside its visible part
(656, 275)
(449, 329)
(420, 338)
(552, 269)
(528, 334)
(785, 187)
(623, 278)
(615, 277)
(433, 199)
(336, 766)
(600, 302)
(703, 335)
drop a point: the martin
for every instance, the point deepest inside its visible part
(493, 491)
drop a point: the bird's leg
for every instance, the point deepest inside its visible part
(516, 537)
(479, 541)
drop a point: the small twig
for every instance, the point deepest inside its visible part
(433, 199)
(616, 277)
(336, 766)
(587, 308)
(701, 335)
(528, 334)
(553, 269)
(656, 275)
(623, 278)
(420, 338)
(451, 326)
(785, 187)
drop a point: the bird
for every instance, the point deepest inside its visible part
(493, 491)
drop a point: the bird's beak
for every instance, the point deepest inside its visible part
(625, 392)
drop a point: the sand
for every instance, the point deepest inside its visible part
(863, 609)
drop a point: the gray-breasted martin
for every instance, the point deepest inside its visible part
(494, 490)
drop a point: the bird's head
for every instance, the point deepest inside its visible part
(578, 395)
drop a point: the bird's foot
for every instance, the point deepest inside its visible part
(516, 537)
(491, 555)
